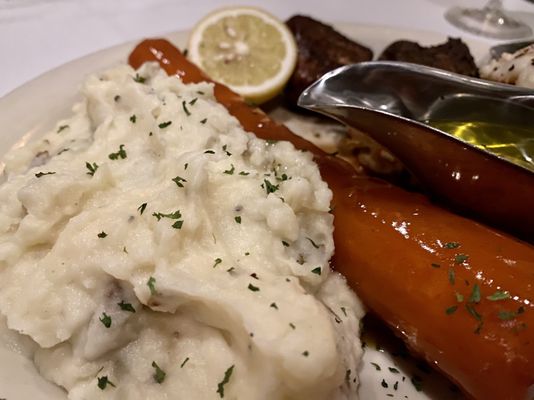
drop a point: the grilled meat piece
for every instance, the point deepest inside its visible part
(453, 55)
(320, 50)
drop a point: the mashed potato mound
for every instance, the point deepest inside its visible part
(153, 249)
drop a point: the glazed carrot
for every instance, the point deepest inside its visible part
(459, 293)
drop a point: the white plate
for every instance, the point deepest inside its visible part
(32, 109)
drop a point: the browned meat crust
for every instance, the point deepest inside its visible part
(320, 49)
(453, 56)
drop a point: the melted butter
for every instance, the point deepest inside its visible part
(515, 144)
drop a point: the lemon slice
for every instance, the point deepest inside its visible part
(246, 49)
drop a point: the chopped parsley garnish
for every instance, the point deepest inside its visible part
(384, 384)
(243, 173)
(151, 283)
(509, 315)
(452, 276)
(417, 382)
(185, 166)
(253, 288)
(159, 374)
(142, 208)
(178, 224)
(103, 382)
(217, 262)
(475, 294)
(200, 92)
(396, 385)
(451, 310)
(139, 79)
(226, 379)
(316, 271)
(460, 258)
(285, 243)
(117, 98)
(106, 320)
(184, 106)
(393, 370)
(471, 309)
(163, 125)
(273, 305)
(226, 151)
(209, 152)
(238, 219)
(499, 295)
(184, 362)
(231, 170)
(178, 180)
(126, 306)
(192, 102)
(344, 311)
(203, 121)
(62, 128)
(119, 154)
(451, 245)
(459, 297)
(175, 215)
(305, 353)
(229, 270)
(133, 119)
(91, 167)
(102, 235)
(435, 265)
(377, 367)
(292, 325)
(313, 243)
(39, 174)
(269, 187)
(282, 178)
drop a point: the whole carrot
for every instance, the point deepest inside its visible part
(459, 293)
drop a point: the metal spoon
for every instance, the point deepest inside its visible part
(388, 101)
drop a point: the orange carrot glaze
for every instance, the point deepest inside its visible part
(426, 272)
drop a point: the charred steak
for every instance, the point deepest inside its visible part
(453, 56)
(320, 49)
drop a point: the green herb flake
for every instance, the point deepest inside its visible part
(151, 283)
(273, 305)
(238, 219)
(451, 245)
(316, 271)
(119, 154)
(243, 173)
(344, 311)
(292, 325)
(106, 320)
(396, 385)
(269, 187)
(313, 243)
(377, 367)
(178, 224)
(200, 92)
(459, 297)
(282, 178)
(133, 119)
(471, 309)
(139, 79)
(460, 258)
(40, 174)
(159, 374)
(305, 353)
(126, 307)
(116, 98)
(451, 310)
(178, 180)
(186, 111)
(452, 276)
(230, 171)
(203, 121)
(499, 295)
(226, 379)
(226, 151)
(253, 288)
(142, 208)
(285, 243)
(209, 152)
(384, 384)
(103, 382)
(184, 362)
(62, 128)
(91, 167)
(507, 315)
(102, 235)
(164, 125)
(475, 294)
(393, 370)
(217, 262)
(435, 265)
(192, 102)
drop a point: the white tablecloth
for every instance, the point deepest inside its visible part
(38, 35)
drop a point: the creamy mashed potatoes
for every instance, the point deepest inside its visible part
(153, 249)
(516, 69)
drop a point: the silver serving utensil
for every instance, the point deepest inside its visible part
(389, 101)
